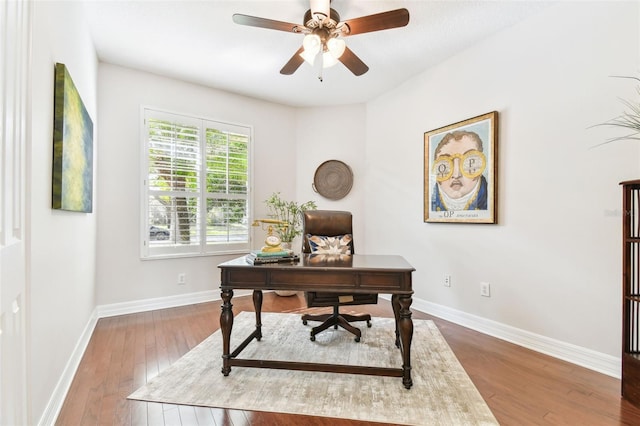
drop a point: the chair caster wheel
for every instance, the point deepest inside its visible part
(357, 339)
(304, 322)
(369, 324)
(312, 338)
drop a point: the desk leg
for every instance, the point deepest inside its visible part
(396, 313)
(257, 305)
(226, 323)
(405, 326)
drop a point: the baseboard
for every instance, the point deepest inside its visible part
(59, 394)
(135, 306)
(593, 360)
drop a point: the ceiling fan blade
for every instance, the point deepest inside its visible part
(293, 64)
(254, 21)
(379, 21)
(351, 61)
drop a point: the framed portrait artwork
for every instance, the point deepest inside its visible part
(460, 171)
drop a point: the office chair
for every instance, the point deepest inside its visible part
(317, 226)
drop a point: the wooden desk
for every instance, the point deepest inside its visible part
(339, 274)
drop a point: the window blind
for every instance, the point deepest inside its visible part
(196, 186)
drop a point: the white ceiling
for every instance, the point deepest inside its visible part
(197, 41)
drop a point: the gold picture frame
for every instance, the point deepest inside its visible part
(460, 171)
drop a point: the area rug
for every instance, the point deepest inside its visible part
(442, 393)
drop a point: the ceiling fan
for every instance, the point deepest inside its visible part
(323, 31)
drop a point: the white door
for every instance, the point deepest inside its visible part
(15, 29)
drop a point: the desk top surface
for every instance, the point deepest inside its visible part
(364, 262)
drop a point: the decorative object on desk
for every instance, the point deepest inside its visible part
(273, 242)
(276, 230)
(333, 179)
(442, 393)
(72, 187)
(460, 171)
(287, 212)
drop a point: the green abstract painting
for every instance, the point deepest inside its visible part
(72, 147)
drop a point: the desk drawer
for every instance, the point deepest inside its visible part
(316, 299)
(314, 279)
(377, 280)
(246, 276)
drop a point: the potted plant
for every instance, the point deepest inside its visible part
(288, 212)
(629, 119)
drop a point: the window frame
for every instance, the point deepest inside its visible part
(202, 248)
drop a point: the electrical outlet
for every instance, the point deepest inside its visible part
(485, 289)
(182, 278)
(447, 280)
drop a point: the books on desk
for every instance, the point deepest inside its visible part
(261, 258)
(282, 253)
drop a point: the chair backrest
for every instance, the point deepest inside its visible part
(328, 223)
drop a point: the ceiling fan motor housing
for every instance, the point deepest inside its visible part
(311, 22)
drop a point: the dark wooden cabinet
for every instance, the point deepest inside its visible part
(631, 291)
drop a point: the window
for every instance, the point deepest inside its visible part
(195, 180)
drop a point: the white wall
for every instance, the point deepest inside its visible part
(122, 275)
(61, 257)
(333, 133)
(554, 258)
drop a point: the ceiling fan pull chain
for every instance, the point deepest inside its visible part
(319, 61)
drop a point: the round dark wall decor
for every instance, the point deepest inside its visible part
(333, 179)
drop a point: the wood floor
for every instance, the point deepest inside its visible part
(521, 387)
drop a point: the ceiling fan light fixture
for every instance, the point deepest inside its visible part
(328, 60)
(310, 58)
(336, 47)
(312, 44)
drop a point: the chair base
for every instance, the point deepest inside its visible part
(336, 320)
